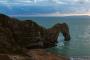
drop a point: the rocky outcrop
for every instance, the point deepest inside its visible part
(53, 33)
(17, 36)
(20, 40)
(4, 57)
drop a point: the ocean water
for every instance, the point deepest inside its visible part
(79, 45)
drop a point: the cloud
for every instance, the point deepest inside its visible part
(45, 7)
(44, 2)
(31, 2)
(54, 14)
(58, 2)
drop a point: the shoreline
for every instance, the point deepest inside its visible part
(35, 54)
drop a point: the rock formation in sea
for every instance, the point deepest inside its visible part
(17, 36)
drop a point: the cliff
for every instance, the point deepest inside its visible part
(17, 36)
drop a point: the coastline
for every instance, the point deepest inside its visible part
(35, 54)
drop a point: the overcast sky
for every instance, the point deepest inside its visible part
(45, 7)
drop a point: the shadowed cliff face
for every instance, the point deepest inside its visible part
(16, 35)
(65, 32)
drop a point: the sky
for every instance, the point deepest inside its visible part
(45, 7)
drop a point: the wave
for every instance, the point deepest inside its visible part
(80, 58)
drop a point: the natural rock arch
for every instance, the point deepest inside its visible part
(28, 34)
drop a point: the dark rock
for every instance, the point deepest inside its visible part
(16, 35)
(4, 57)
(53, 34)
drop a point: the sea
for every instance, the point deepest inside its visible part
(78, 48)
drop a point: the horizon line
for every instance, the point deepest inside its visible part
(44, 16)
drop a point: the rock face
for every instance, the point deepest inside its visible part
(4, 57)
(17, 35)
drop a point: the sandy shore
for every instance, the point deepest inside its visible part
(35, 54)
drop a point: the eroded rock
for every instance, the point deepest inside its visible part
(18, 36)
(28, 34)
